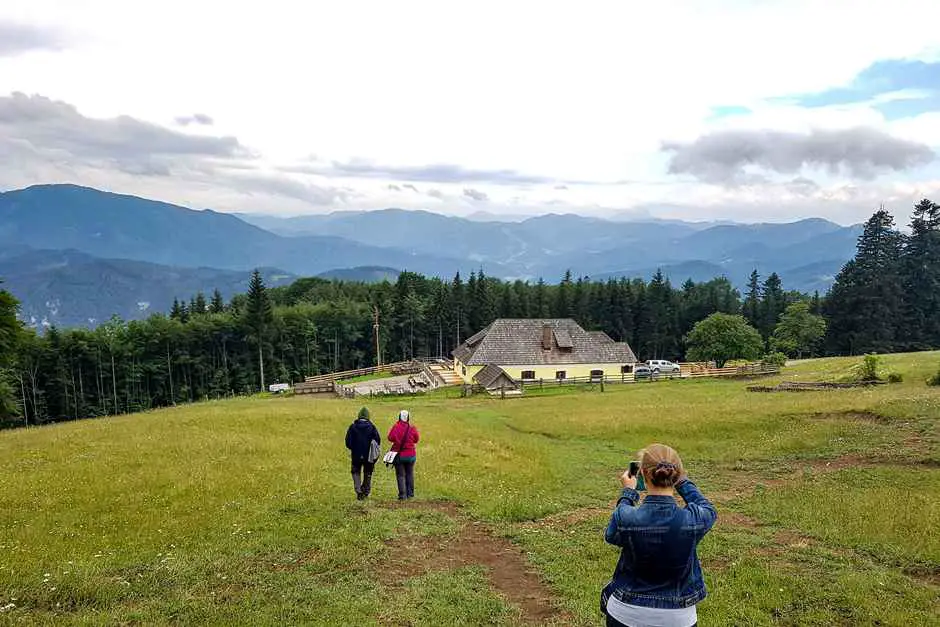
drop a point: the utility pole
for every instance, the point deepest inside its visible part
(375, 327)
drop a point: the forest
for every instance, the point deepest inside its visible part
(886, 299)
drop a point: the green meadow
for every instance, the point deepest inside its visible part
(242, 511)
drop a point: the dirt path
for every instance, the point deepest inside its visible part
(474, 544)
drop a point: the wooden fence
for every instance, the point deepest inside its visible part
(393, 369)
(688, 371)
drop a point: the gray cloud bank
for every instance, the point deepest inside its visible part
(45, 140)
(476, 195)
(861, 152)
(432, 173)
(16, 38)
(200, 119)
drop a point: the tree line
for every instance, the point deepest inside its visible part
(884, 299)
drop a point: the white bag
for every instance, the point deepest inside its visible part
(375, 450)
(390, 457)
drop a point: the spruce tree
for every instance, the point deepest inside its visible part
(199, 304)
(541, 304)
(752, 301)
(772, 306)
(258, 318)
(10, 330)
(564, 297)
(217, 304)
(864, 306)
(921, 269)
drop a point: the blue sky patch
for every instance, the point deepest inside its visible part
(920, 78)
(724, 111)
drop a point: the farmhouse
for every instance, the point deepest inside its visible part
(531, 349)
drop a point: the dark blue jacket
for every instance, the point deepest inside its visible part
(658, 565)
(359, 437)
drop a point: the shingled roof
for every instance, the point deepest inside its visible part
(520, 342)
(492, 375)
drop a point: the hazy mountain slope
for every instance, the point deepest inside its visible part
(366, 274)
(110, 225)
(70, 288)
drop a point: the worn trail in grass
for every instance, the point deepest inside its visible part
(240, 511)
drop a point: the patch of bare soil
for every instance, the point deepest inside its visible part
(564, 520)
(928, 575)
(475, 545)
(810, 386)
(856, 416)
(735, 519)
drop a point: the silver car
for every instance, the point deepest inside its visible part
(661, 366)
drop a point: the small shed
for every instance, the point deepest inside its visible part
(493, 378)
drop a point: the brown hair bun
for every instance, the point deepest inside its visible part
(661, 465)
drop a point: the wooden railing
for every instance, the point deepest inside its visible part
(755, 369)
(397, 368)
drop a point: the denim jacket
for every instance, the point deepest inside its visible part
(658, 565)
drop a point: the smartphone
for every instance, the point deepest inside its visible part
(635, 472)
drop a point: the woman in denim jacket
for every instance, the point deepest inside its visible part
(658, 579)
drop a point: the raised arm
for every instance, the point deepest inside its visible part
(622, 512)
(702, 510)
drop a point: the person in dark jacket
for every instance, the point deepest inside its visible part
(359, 438)
(403, 437)
(658, 578)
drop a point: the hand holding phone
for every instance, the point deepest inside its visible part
(634, 471)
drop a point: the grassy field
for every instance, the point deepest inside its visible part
(242, 511)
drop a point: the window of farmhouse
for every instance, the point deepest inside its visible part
(560, 375)
(626, 369)
(528, 374)
(597, 375)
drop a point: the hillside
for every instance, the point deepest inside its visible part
(215, 513)
(68, 288)
(549, 245)
(201, 250)
(116, 226)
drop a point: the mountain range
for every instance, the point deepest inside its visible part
(75, 255)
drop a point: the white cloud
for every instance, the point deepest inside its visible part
(552, 91)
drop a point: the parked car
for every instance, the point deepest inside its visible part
(642, 372)
(661, 366)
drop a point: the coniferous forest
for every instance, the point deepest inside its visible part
(886, 299)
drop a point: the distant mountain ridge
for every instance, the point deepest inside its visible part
(116, 226)
(68, 288)
(54, 238)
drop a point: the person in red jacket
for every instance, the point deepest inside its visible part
(403, 437)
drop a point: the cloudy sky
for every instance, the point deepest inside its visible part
(751, 110)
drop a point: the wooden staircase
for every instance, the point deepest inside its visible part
(445, 373)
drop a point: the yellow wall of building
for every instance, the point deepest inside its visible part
(466, 372)
(572, 371)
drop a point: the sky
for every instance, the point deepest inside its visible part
(750, 111)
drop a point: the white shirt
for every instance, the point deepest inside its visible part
(638, 616)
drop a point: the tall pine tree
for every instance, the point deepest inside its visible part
(921, 268)
(258, 318)
(752, 301)
(864, 306)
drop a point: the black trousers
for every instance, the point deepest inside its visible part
(362, 476)
(405, 474)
